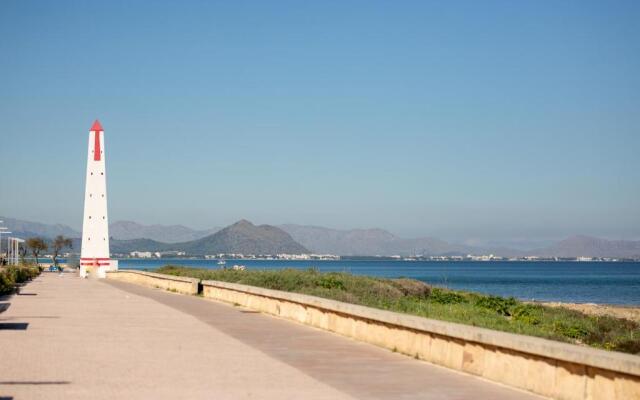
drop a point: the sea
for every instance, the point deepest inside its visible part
(574, 282)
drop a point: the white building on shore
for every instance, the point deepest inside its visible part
(141, 254)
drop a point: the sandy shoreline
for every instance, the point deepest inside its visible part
(628, 312)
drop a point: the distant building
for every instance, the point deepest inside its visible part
(171, 253)
(141, 254)
(284, 256)
(324, 257)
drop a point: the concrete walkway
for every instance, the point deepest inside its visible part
(67, 338)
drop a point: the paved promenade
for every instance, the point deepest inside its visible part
(68, 338)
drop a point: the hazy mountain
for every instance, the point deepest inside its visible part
(127, 246)
(591, 247)
(517, 244)
(368, 242)
(127, 230)
(244, 237)
(120, 230)
(241, 237)
(25, 229)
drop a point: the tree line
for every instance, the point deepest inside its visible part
(38, 245)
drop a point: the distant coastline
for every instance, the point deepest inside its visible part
(330, 257)
(245, 238)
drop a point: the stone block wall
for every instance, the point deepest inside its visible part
(171, 283)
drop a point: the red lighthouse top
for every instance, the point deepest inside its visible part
(96, 126)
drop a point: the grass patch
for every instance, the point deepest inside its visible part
(417, 298)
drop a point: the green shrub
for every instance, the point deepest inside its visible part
(527, 314)
(412, 287)
(627, 346)
(330, 281)
(570, 330)
(10, 276)
(7, 283)
(442, 296)
(498, 304)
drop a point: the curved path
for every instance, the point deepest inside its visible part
(68, 338)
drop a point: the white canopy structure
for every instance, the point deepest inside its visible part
(3, 231)
(13, 251)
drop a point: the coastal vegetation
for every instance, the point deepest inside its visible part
(14, 275)
(417, 298)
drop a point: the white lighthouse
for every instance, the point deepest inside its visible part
(94, 255)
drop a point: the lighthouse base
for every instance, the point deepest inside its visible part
(95, 267)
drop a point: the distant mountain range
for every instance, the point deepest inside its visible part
(358, 242)
(591, 247)
(24, 229)
(244, 237)
(127, 246)
(127, 230)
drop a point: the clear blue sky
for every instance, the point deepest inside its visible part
(462, 120)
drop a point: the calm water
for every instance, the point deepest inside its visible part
(579, 282)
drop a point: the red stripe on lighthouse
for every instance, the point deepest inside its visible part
(96, 147)
(97, 128)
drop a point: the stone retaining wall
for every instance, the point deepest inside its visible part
(549, 368)
(172, 283)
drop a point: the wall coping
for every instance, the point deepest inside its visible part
(155, 275)
(603, 359)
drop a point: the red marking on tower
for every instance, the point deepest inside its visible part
(97, 128)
